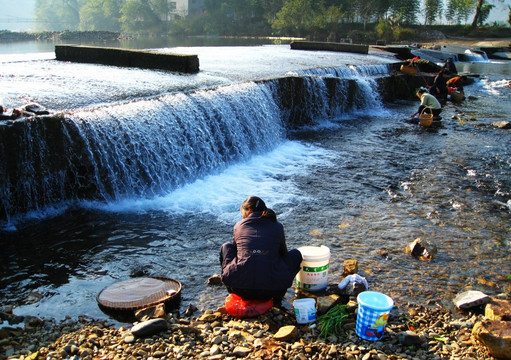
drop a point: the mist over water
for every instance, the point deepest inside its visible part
(357, 181)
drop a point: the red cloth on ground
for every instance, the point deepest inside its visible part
(240, 308)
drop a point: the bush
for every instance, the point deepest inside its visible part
(384, 31)
(401, 34)
(362, 37)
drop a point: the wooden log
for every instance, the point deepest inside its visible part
(126, 57)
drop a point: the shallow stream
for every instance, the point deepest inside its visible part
(359, 183)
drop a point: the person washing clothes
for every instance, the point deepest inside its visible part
(429, 103)
(15, 113)
(439, 88)
(450, 67)
(257, 264)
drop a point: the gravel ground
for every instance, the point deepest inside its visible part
(412, 332)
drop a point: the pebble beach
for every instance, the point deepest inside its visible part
(412, 332)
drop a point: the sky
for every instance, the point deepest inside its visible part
(18, 15)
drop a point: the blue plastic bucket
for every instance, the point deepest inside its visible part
(373, 313)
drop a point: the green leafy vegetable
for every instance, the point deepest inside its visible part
(331, 322)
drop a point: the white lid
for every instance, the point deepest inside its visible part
(315, 253)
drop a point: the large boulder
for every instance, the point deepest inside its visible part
(496, 336)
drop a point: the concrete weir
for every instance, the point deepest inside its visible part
(125, 57)
(330, 46)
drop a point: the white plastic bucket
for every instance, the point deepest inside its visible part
(305, 310)
(313, 274)
(373, 313)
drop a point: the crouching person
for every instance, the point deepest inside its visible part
(257, 264)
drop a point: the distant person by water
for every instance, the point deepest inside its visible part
(450, 67)
(15, 113)
(457, 81)
(429, 103)
(257, 264)
(439, 87)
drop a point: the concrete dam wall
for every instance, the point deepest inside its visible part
(124, 57)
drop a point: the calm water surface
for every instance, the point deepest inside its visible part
(359, 183)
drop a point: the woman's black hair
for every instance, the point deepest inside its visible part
(256, 204)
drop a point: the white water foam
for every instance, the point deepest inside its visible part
(268, 176)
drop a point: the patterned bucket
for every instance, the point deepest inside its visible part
(373, 313)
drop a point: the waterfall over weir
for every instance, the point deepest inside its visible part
(148, 147)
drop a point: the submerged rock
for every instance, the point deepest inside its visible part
(502, 124)
(350, 267)
(35, 108)
(421, 249)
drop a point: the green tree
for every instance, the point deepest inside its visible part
(382, 9)
(432, 10)
(101, 15)
(458, 11)
(509, 15)
(138, 17)
(57, 15)
(295, 18)
(271, 8)
(482, 11)
(366, 10)
(404, 11)
(70, 11)
(46, 15)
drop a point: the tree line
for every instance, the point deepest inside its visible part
(299, 18)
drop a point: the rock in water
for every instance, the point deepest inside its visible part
(502, 124)
(422, 249)
(35, 109)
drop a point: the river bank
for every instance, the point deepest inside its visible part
(474, 38)
(412, 332)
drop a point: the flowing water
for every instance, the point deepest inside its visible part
(174, 155)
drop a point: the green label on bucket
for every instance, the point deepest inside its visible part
(315, 269)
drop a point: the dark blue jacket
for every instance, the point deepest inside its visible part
(259, 259)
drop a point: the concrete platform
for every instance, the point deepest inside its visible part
(125, 57)
(330, 46)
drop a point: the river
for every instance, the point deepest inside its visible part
(358, 180)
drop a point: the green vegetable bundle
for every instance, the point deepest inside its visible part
(331, 322)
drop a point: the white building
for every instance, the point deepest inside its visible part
(186, 7)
